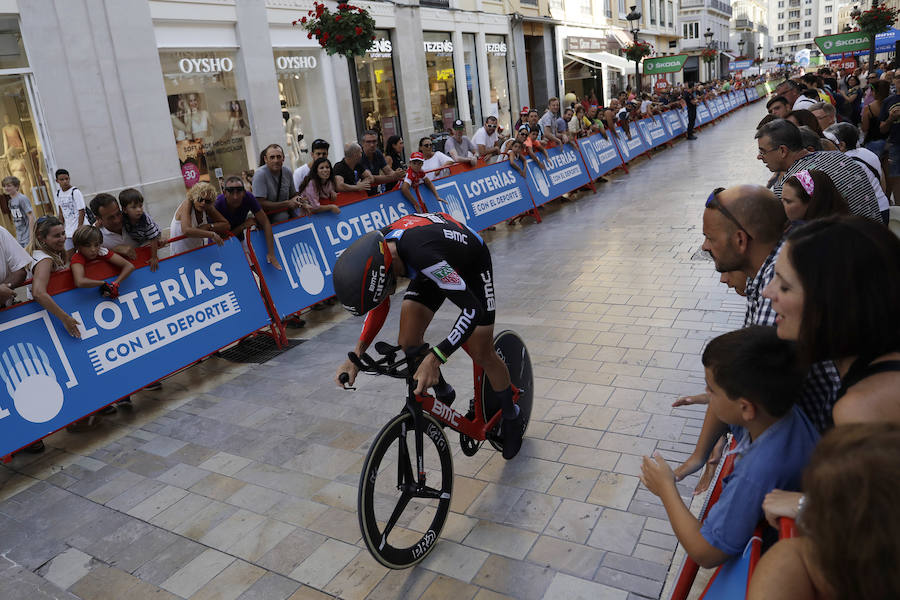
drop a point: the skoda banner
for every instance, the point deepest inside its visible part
(563, 173)
(664, 64)
(843, 43)
(308, 247)
(600, 154)
(193, 305)
(481, 197)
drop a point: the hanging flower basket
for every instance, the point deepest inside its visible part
(758, 60)
(709, 55)
(348, 31)
(638, 51)
(877, 20)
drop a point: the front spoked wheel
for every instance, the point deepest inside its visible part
(400, 521)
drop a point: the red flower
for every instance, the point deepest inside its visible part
(320, 8)
(294, 22)
(325, 36)
(358, 30)
(309, 36)
(373, 37)
(339, 37)
(309, 13)
(337, 18)
(303, 20)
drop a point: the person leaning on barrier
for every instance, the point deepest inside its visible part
(373, 161)
(547, 123)
(514, 153)
(349, 173)
(433, 159)
(460, 147)
(197, 220)
(273, 186)
(415, 176)
(242, 211)
(846, 137)
(14, 263)
(781, 149)
(111, 221)
(488, 141)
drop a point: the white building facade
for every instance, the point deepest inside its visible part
(697, 17)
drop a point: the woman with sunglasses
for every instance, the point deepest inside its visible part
(48, 249)
(198, 220)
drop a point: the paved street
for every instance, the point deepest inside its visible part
(240, 481)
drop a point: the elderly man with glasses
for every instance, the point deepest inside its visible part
(781, 149)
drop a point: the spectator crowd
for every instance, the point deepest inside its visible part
(808, 391)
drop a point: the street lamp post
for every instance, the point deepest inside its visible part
(708, 36)
(633, 19)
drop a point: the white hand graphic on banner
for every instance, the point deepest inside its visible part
(306, 265)
(31, 382)
(457, 210)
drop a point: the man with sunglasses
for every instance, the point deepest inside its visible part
(488, 141)
(242, 211)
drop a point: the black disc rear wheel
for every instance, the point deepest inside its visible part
(400, 522)
(512, 350)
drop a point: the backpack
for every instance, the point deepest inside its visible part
(88, 213)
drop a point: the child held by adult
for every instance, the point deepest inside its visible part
(139, 225)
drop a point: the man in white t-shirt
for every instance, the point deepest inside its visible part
(319, 149)
(109, 219)
(70, 206)
(487, 141)
(14, 262)
(433, 160)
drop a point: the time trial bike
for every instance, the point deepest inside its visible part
(407, 479)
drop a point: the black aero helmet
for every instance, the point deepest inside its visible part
(363, 274)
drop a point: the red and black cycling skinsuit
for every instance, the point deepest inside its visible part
(443, 259)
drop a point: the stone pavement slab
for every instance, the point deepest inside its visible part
(240, 481)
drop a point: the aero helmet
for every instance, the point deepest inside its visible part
(363, 276)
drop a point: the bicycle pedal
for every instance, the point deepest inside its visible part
(468, 445)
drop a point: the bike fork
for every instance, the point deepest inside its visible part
(419, 422)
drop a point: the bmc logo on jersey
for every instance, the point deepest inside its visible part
(445, 276)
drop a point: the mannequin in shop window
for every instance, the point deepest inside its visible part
(15, 152)
(293, 135)
(237, 122)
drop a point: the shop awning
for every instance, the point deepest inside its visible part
(729, 55)
(622, 38)
(597, 59)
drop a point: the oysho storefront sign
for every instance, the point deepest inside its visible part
(296, 63)
(214, 64)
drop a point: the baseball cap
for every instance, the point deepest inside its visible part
(524, 110)
(458, 124)
(417, 156)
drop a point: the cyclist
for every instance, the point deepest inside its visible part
(443, 259)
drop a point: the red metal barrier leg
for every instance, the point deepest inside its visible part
(276, 326)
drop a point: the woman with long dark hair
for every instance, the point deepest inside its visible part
(319, 185)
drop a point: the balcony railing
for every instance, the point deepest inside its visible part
(712, 4)
(743, 24)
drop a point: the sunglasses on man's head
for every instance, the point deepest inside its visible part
(712, 202)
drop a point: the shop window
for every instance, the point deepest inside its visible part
(23, 155)
(300, 85)
(470, 58)
(498, 77)
(441, 79)
(210, 123)
(378, 88)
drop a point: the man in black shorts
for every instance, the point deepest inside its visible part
(444, 259)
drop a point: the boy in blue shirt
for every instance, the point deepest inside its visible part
(752, 379)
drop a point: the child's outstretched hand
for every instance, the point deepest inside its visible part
(154, 263)
(656, 474)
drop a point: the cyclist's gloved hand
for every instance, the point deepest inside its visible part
(350, 369)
